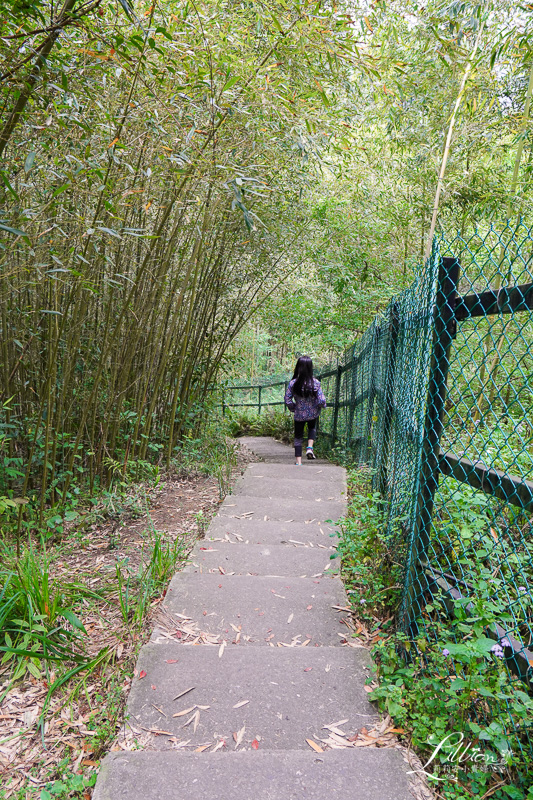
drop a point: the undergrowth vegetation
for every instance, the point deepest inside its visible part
(278, 424)
(76, 598)
(447, 688)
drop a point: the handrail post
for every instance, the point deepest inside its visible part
(367, 445)
(444, 327)
(388, 401)
(259, 403)
(336, 406)
(351, 407)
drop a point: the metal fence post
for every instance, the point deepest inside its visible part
(367, 446)
(351, 407)
(223, 403)
(444, 327)
(336, 406)
(388, 401)
(259, 403)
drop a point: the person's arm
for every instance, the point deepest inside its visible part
(320, 396)
(289, 400)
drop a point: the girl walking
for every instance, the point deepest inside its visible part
(304, 396)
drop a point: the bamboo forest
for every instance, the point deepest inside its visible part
(195, 197)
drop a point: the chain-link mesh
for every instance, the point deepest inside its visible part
(437, 397)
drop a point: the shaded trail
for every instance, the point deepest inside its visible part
(249, 661)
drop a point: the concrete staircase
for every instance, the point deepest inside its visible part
(247, 665)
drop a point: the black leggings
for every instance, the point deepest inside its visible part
(299, 433)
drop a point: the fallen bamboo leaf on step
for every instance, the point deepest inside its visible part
(157, 732)
(221, 648)
(222, 743)
(185, 711)
(314, 746)
(241, 703)
(194, 717)
(291, 617)
(202, 748)
(238, 737)
(336, 724)
(159, 709)
(334, 729)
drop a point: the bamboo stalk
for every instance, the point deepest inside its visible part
(447, 146)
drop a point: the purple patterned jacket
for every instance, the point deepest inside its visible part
(305, 408)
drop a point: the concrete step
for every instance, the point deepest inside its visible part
(356, 774)
(272, 451)
(281, 509)
(255, 486)
(291, 694)
(257, 531)
(264, 609)
(266, 445)
(309, 471)
(257, 559)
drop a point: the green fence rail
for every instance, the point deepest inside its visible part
(437, 397)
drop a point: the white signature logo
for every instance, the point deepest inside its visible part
(461, 752)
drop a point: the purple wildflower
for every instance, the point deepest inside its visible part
(445, 652)
(505, 642)
(497, 649)
(362, 601)
(522, 589)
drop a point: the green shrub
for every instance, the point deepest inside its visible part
(449, 681)
(271, 422)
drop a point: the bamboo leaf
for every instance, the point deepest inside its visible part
(14, 231)
(230, 83)
(28, 164)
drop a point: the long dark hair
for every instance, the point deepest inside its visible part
(303, 375)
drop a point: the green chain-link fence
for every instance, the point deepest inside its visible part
(437, 397)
